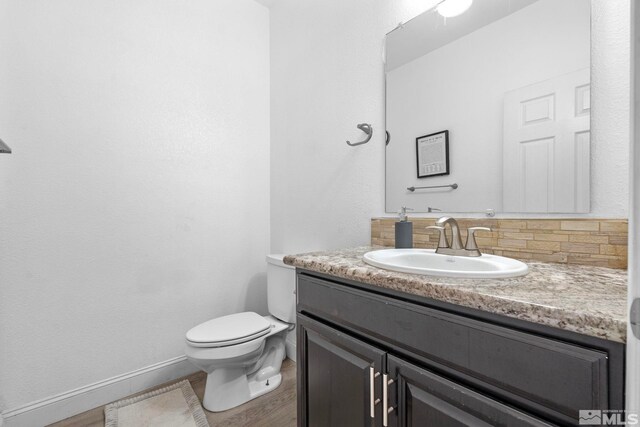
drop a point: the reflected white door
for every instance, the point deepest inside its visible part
(546, 146)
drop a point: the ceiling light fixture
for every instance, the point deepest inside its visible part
(451, 8)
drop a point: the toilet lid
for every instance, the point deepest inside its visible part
(231, 329)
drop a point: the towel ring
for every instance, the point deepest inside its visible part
(366, 128)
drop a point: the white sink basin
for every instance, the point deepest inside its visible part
(426, 261)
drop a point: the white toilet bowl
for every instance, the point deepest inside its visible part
(239, 368)
(242, 353)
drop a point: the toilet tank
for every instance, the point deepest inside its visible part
(281, 286)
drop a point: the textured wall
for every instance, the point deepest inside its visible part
(610, 107)
(140, 133)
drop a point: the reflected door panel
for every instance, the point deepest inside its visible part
(546, 148)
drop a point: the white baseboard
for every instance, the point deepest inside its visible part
(65, 405)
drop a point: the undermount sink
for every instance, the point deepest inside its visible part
(426, 261)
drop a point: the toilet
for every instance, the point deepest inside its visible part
(242, 353)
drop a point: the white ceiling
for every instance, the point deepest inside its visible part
(430, 31)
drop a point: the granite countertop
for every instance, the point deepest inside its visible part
(584, 299)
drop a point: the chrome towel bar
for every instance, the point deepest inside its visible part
(452, 186)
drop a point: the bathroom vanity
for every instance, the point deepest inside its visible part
(378, 348)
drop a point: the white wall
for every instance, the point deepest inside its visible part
(610, 102)
(135, 203)
(328, 76)
(461, 87)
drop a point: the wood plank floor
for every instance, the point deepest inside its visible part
(275, 409)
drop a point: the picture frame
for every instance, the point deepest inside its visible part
(432, 154)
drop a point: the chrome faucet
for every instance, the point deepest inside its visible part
(455, 247)
(456, 241)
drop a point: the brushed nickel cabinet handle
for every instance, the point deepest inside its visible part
(372, 390)
(386, 410)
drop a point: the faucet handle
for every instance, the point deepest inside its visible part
(471, 244)
(442, 242)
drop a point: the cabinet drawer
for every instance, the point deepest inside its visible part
(543, 375)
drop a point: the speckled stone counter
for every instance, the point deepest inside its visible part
(584, 299)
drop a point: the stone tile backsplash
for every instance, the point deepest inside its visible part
(599, 242)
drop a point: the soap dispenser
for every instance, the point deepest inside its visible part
(404, 230)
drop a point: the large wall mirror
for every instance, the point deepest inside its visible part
(490, 109)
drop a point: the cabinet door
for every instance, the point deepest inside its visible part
(422, 398)
(335, 375)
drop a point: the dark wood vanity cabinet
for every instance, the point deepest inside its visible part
(339, 370)
(364, 351)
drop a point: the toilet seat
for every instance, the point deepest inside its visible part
(229, 330)
(225, 352)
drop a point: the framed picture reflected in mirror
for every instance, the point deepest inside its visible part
(432, 154)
